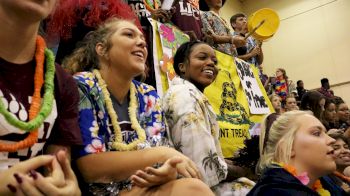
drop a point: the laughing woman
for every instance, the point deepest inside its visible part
(193, 128)
(342, 159)
(121, 120)
(294, 156)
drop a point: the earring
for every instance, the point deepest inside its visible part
(182, 68)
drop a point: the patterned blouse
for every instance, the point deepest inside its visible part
(194, 130)
(96, 127)
(214, 24)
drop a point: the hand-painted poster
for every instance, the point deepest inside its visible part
(166, 39)
(256, 101)
(230, 104)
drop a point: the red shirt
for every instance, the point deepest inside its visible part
(60, 127)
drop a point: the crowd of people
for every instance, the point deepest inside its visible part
(85, 123)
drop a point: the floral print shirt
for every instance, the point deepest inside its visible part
(96, 127)
(194, 130)
(214, 24)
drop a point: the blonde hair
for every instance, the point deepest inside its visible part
(273, 95)
(85, 57)
(279, 139)
(290, 96)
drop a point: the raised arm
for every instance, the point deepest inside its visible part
(237, 40)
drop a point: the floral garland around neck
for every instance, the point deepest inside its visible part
(304, 179)
(118, 144)
(149, 6)
(342, 176)
(45, 110)
(40, 54)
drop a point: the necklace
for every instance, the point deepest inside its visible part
(32, 138)
(148, 5)
(342, 176)
(317, 185)
(48, 98)
(118, 143)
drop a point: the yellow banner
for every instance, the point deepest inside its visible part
(230, 104)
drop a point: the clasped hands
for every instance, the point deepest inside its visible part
(23, 180)
(170, 170)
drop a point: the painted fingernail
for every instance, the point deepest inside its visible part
(18, 178)
(33, 174)
(11, 188)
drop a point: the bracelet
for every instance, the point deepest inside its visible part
(232, 40)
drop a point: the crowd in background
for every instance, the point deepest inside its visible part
(90, 121)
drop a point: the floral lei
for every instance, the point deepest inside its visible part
(48, 98)
(342, 176)
(118, 144)
(304, 179)
(37, 112)
(149, 7)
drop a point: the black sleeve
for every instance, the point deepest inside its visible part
(66, 128)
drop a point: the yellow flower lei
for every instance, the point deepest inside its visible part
(118, 143)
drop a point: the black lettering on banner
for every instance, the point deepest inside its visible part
(234, 133)
(139, 9)
(239, 133)
(223, 132)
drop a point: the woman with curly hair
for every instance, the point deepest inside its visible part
(122, 122)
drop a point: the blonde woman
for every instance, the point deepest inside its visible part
(276, 103)
(294, 154)
(291, 103)
(121, 120)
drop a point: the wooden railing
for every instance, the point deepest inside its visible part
(340, 84)
(336, 85)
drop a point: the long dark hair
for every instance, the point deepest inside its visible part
(183, 53)
(311, 101)
(325, 121)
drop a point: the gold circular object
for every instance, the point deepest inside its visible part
(269, 26)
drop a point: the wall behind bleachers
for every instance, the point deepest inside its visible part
(313, 40)
(230, 8)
